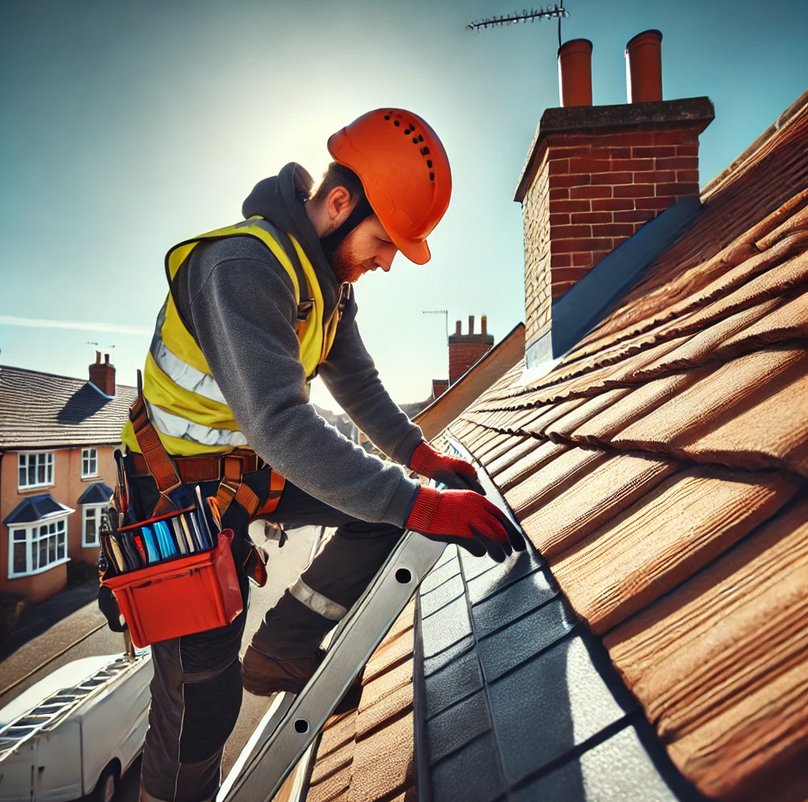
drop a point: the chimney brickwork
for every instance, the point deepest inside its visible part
(594, 177)
(102, 374)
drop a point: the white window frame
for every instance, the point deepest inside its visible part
(96, 510)
(54, 528)
(47, 465)
(89, 456)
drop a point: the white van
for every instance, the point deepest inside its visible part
(77, 731)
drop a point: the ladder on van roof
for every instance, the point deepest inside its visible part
(57, 706)
(292, 723)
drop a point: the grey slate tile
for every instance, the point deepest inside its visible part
(443, 594)
(617, 770)
(550, 704)
(502, 575)
(445, 627)
(439, 660)
(449, 554)
(439, 574)
(498, 574)
(470, 775)
(455, 681)
(454, 728)
(524, 638)
(498, 609)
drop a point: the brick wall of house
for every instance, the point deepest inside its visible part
(67, 489)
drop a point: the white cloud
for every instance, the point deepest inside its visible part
(81, 325)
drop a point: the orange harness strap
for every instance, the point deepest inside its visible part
(276, 485)
(232, 487)
(159, 463)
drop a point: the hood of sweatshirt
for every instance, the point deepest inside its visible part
(280, 200)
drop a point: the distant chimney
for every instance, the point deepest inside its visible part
(596, 174)
(439, 387)
(102, 374)
(466, 349)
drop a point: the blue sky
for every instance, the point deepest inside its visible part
(125, 128)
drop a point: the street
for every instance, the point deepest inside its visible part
(85, 633)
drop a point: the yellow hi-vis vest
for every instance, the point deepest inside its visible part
(184, 403)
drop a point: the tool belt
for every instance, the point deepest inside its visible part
(177, 556)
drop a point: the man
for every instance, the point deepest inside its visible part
(254, 312)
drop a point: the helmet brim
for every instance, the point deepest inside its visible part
(417, 252)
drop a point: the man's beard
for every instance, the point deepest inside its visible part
(345, 266)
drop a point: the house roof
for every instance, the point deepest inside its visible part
(659, 470)
(41, 410)
(35, 508)
(96, 493)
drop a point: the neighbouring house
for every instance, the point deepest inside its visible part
(653, 445)
(57, 471)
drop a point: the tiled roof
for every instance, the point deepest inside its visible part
(660, 468)
(40, 410)
(35, 508)
(96, 493)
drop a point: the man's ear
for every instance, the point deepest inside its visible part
(339, 205)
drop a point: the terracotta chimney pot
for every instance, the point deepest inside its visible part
(644, 67)
(471, 324)
(575, 73)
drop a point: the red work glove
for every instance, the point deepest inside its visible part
(455, 473)
(466, 519)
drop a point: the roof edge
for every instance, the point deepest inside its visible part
(746, 155)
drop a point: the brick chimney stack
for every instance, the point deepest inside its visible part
(102, 374)
(466, 349)
(595, 174)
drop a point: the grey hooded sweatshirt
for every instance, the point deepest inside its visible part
(239, 303)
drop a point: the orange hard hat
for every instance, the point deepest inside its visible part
(404, 170)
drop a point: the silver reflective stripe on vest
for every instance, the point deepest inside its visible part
(181, 373)
(175, 426)
(315, 601)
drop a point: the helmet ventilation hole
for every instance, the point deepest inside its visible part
(432, 176)
(397, 123)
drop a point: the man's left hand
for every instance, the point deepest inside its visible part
(456, 474)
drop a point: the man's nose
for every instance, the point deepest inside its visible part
(386, 256)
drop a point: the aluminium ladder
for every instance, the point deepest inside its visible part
(292, 723)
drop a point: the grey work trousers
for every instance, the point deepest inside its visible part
(196, 690)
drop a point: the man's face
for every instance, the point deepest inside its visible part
(365, 248)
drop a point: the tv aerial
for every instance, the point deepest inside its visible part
(556, 11)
